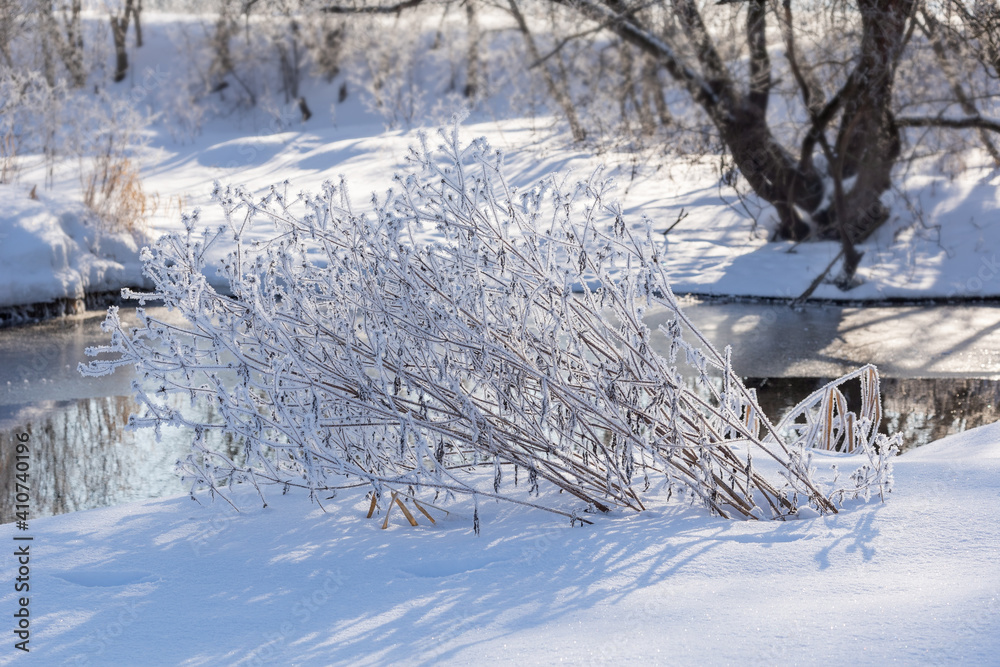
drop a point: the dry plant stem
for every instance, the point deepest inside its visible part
(423, 511)
(406, 512)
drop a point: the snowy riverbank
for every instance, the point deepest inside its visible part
(948, 254)
(169, 581)
(52, 249)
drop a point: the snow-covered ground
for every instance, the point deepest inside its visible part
(51, 248)
(171, 582)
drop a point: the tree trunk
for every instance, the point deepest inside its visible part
(771, 170)
(119, 28)
(557, 87)
(73, 48)
(472, 58)
(866, 148)
(868, 142)
(138, 23)
(653, 90)
(69, 47)
(304, 109)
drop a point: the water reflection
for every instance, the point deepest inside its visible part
(773, 340)
(83, 457)
(38, 362)
(923, 410)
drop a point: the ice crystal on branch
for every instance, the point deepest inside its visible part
(349, 351)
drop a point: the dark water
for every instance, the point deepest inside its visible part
(83, 457)
(922, 409)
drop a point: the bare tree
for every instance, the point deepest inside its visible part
(12, 20)
(68, 46)
(137, 16)
(557, 85)
(825, 177)
(119, 28)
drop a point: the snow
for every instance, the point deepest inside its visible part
(51, 248)
(981, 444)
(714, 251)
(172, 582)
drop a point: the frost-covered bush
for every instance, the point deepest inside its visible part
(32, 112)
(351, 350)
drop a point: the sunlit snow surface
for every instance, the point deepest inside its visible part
(52, 248)
(172, 582)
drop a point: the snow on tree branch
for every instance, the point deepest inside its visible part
(350, 352)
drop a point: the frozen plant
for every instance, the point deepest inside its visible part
(108, 137)
(349, 351)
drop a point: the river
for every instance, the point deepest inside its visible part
(940, 367)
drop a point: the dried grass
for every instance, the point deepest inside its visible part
(113, 190)
(823, 420)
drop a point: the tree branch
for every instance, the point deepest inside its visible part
(558, 89)
(812, 93)
(700, 89)
(953, 123)
(821, 119)
(707, 54)
(562, 43)
(369, 9)
(932, 29)
(760, 63)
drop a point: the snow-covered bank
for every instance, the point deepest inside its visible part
(53, 249)
(170, 582)
(938, 244)
(716, 250)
